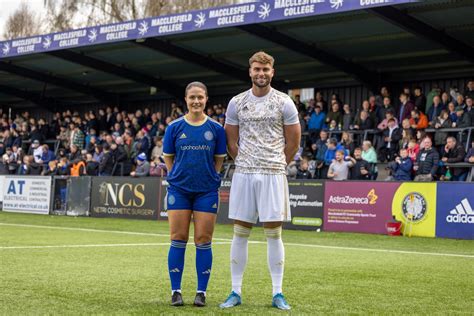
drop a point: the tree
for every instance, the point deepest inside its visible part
(22, 22)
(68, 14)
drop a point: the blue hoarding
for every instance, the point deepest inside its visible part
(455, 210)
(213, 18)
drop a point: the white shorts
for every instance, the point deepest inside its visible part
(259, 196)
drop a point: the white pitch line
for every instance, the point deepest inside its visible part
(98, 245)
(254, 242)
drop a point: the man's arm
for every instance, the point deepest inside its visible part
(232, 133)
(293, 140)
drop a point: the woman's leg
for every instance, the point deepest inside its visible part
(179, 232)
(204, 223)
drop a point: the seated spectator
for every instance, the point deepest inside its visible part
(63, 167)
(36, 150)
(4, 165)
(361, 168)
(406, 126)
(369, 155)
(413, 149)
(391, 136)
(75, 153)
(158, 167)
(106, 165)
(120, 158)
(158, 149)
(332, 148)
(98, 153)
(47, 156)
(435, 110)
(418, 120)
(78, 167)
(333, 127)
(402, 167)
(426, 162)
(470, 154)
(52, 169)
(303, 169)
(453, 153)
(339, 168)
(406, 136)
(385, 107)
(143, 167)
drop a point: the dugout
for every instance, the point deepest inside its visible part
(347, 47)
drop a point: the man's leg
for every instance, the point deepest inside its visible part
(275, 254)
(239, 254)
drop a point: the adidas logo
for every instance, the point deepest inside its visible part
(208, 271)
(215, 205)
(175, 270)
(463, 213)
(183, 136)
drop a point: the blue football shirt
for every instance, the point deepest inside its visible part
(194, 148)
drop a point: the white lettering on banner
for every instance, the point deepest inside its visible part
(118, 27)
(243, 9)
(26, 194)
(348, 200)
(69, 42)
(369, 2)
(299, 10)
(25, 49)
(280, 4)
(170, 28)
(116, 36)
(26, 42)
(300, 200)
(182, 18)
(231, 19)
(69, 35)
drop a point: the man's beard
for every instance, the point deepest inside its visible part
(255, 81)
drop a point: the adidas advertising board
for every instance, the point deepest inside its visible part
(455, 218)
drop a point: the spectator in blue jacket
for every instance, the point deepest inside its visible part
(47, 156)
(316, 120)
(330, 154)
(402, 167)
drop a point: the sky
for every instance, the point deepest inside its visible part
(7, 7)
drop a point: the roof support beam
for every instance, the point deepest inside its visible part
(415, 26)
(46, 103)
(365, 76)
(208, 62)
(90, 62)
(60, 82)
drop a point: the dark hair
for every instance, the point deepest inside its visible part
(391, 119)
(195, 84)
(333, 141)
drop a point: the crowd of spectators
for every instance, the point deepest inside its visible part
(107, 143)
(410, 132)
(117, 142)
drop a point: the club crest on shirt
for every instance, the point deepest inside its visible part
(208, 135)
(171, 199)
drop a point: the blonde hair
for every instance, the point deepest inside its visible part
(261, 57)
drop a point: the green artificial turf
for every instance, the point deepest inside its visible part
(110, 277)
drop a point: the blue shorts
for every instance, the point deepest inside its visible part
(202, 201)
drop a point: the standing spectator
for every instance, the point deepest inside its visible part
(339, 168)
(92, 167)
(435, 110)
(64, 136)
(402, 167)
(75, 153)
(142, 143)
(470, 154)
(334, 114)
(316, 120)
(106, 165)
(158, 149)
(120, 157)
(442, 121)
(347, 118)
(332, 148)
(347, 142)
(470, 89)
(143, 167)
(469, 109)
(386, 107)
(454, 153)
(361, 168)
(299, 105)
(463, 119)
(406, 106)
(445, 99)
(384, 123)
(78, 167)
(420, 99)
(35, 134)
(319, 148)
(391, 136)
(77, 136)
(435, 91)
(363, 121)
(319, 99)
(426, 161)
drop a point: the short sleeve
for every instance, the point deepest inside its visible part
(221, 143)
(290, 114)
(231, 114)
(168, 142)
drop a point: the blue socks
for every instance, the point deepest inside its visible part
(203, 265)
(176, 263)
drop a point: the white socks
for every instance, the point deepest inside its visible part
(239, 256)
(276, 257)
